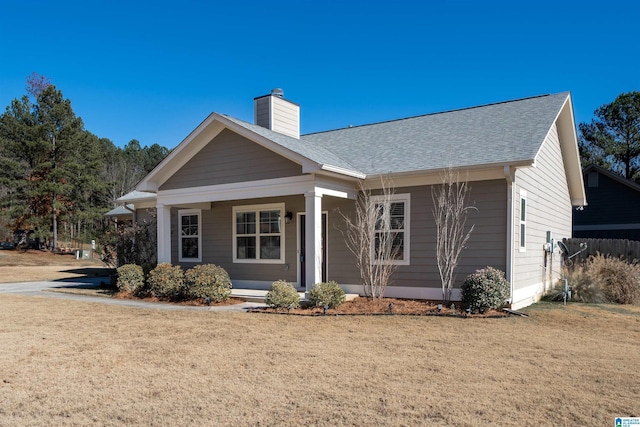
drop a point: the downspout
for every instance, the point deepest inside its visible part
(510, 174)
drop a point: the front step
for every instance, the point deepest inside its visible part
(258, 295)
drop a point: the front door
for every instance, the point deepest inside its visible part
(301, 244)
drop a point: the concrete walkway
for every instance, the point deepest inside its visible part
(53, 290)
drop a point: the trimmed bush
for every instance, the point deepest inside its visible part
(329, 293)
(485, 289)
(207, 281)
(282, 295)
(130, 278)
(166, 281)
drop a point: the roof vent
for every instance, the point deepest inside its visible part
(277, 92)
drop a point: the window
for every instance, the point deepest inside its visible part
(258, 233)
(190, 243)
(523, 220)
(391, 240)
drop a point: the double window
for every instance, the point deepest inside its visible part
(190, 243)
(258, 233)
(391, 235)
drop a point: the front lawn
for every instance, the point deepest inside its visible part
(75, 363)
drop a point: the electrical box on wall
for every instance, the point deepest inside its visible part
(550, 245)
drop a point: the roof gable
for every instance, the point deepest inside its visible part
(503, 134)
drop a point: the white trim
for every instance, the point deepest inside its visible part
(275, 187)
(189, 212)
(257, 209)
(343, 171)
(523, 236)
(164, 233)
(434, 177)
(409, 292)
(526, 296)
(406, 199)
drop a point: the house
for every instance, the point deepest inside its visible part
(614, 203)
(266, 203)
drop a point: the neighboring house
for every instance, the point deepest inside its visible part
(266, 203)
(614, 206)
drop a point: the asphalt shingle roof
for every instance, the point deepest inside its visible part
(502, 133)
(492, 134)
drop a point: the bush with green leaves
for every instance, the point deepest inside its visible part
(485, 289)
(166, 281)
(329, 294)
(130, 278)
(282, 294)
(207, 281)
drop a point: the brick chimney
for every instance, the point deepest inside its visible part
(277, 114)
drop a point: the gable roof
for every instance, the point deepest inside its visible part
(614, 176)
(506, 133)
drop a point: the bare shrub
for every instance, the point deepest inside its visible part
(618, 279)
(583, 287)
(372, 240)
(450, 211)
(134, 243)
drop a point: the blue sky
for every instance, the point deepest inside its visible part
(154, 70)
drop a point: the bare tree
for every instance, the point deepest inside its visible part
(450, 211)
(370, 236)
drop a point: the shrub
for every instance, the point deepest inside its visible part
(485, 289)
(618, 279)
(207, 281)
(583, 287)
(166, 281)
(329, 293)
(130, 278)
(282, 295)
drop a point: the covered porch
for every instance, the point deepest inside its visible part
(296, 208)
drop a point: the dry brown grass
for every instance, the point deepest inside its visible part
(73, 363)
(32, 266)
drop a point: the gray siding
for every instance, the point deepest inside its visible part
(230, 158)
(549, 209)
(485, 247)
(217, 243)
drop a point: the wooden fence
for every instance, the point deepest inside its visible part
(619, 248)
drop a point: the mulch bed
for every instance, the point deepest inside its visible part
(387, 306)
(195, 302)
(359, 306)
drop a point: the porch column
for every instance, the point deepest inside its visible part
(164, 233)
(313, 231)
